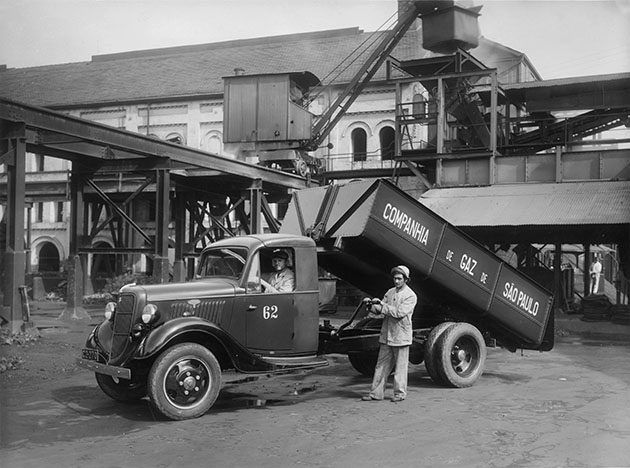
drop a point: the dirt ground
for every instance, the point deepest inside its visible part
(44, 353)
(569, 407)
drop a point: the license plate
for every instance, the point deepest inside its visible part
(90, 354)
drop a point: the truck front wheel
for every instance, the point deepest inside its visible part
(184, 381)
(123, 390)
(461, 355)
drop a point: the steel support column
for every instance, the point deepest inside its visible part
(14, 258)
(179, 266)
(494, 90)
(441, 118)
(558, 290)
(255, 207)
(163, 211)
(76, 264)
(587, 266)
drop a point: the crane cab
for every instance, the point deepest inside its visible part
(267, 112)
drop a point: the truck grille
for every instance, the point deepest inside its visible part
(209, 310)
(123, 320)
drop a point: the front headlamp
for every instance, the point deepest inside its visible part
(149, 313)
(110, 310)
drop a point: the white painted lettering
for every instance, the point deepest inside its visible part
(468, 264)
(520, 299)
(410, 226)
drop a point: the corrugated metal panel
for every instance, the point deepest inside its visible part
(588, 203)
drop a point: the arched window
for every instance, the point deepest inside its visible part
(175, 138)
(419, 107)
(214, 144)
(359, 144)
(48, 257)
(386, 139)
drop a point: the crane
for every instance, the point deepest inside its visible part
(263, 117)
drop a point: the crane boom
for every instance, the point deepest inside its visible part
(335, 112)
(266, 115)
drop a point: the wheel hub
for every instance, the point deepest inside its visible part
(189, 382)
(462, 357)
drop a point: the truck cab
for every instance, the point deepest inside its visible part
(173, 341)
(267, 322)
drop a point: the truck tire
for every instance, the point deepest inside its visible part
(430, 352)
(126, 391)
(461, 355)
(184, 381)
(364, 363)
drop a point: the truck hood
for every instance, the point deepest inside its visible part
(184, 291)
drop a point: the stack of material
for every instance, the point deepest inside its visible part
(596, 308)
(620, 314)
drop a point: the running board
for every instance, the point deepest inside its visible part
(296, 362)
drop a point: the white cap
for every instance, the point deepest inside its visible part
(402, 269)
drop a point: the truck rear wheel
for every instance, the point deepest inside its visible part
(431, 355)
(123, 390)
(364, 363)
(461, 355)
(184, 381)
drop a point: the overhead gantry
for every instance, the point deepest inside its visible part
(197, 197)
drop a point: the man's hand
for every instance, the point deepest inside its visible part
(373, 306)
(374, 300)
(267, 287)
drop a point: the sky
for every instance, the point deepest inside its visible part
(562, 38)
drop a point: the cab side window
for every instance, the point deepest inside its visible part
(278, 275)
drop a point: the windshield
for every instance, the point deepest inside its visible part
(222, 262)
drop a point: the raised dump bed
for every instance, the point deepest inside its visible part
(364, 228)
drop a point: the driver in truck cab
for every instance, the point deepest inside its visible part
(282, 279)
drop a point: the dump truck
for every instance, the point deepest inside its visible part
(174, 342)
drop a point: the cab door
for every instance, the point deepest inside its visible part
(270, 320)
(269, 317)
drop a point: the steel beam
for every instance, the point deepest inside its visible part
(133, 143)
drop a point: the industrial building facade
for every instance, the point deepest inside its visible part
(176, 95)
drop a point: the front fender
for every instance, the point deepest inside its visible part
(159, 338)
(100, 339)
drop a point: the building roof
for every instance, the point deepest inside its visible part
(554, 204)
(587, 92)
(190, 72)
(620, 79)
